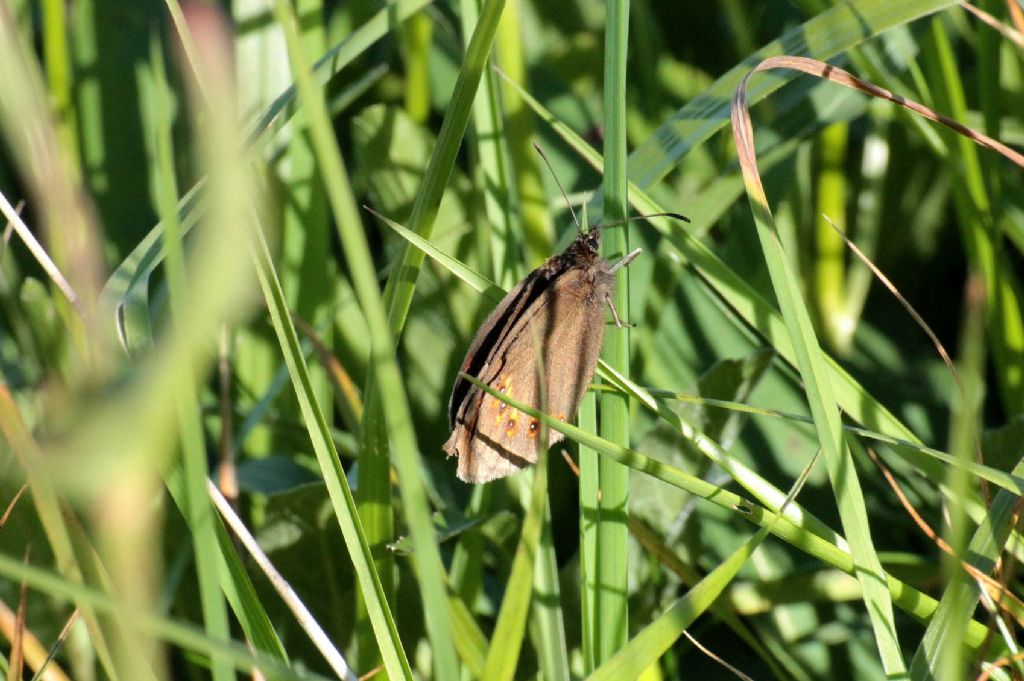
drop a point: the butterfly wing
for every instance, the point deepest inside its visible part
(492, 334)
(562, 324)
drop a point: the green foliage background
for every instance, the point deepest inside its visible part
(196, 174)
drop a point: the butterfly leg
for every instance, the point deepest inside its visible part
(626, 259)
(618, 264)
(619, 324)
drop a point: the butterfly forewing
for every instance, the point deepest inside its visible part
(557, 318)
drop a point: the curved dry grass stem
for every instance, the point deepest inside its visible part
(1010, 34)
(700, 646)
(835, 74)
(887, 283)
(1001, 662)
(10, 506)
(1016, 14)
(974, 291)
(345, 387)
(993, 586)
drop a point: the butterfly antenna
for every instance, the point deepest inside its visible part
(564, 196)
(676, 216)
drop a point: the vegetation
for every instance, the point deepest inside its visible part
(777, 472)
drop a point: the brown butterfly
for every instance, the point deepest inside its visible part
(556, 313)
(561, 303)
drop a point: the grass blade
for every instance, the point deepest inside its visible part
(820, 396)
(503, 654)
(393, 401)
(604, 493)
(651, 643)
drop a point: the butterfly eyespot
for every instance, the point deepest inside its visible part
(510, 426)
(502, 406)
(534, 426)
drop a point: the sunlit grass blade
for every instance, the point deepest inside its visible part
(532, 204)
(604, 506)
(811, 363)
(940, 655)
(378, 431)
(653, 640)
(398, 293)
(391, 400)
(910, 600)
(469, 640)
(547, 622)
(334, 476)
(490, 156)
(829, 259)
(507, 640)
(728, 612)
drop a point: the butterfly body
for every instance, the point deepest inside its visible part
(555, 314)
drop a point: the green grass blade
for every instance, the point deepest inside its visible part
(507, 640)
(913, 602)
(393, 403)
(390, 645)
(826, 35)
(651, 643)
(398, 293)
(416, 36)
(188, 637)
(490, 156)
(811, 362)
(538, 234)
(470, 641)
(547, 623)
(940, 647)
(374, 470)
(589, 489)
(605, 504)
(960, 597)
(829, 257)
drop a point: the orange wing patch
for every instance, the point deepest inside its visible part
(505, 386)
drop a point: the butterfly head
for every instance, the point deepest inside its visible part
(591, 239)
